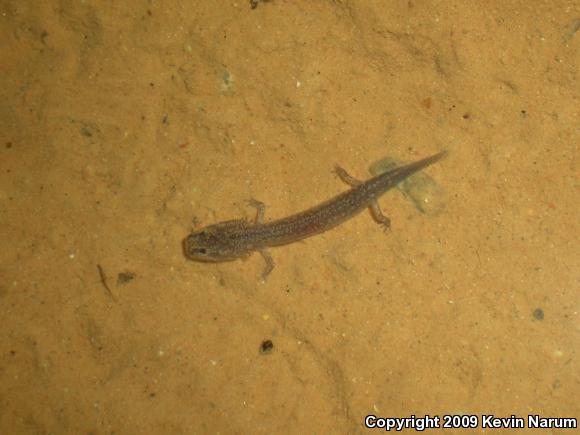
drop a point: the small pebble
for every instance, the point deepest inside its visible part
(266, 347)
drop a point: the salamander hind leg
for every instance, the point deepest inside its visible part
(379, 216)
(269, 263)
(260, 208)
(344, 176)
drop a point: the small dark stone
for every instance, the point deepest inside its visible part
(254, 3)
(125, 277)
(538, 314)
(267, 346)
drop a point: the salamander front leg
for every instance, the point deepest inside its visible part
(379, 216)
(269, 263)
(343, 175)
(260, 207)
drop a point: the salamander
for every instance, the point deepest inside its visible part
(235, 239)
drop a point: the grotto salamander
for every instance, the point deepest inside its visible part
(234, 239)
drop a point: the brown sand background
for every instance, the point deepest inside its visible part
(120, 121)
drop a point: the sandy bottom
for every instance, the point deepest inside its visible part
(122, 121)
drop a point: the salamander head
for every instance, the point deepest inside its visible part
(216, 243)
